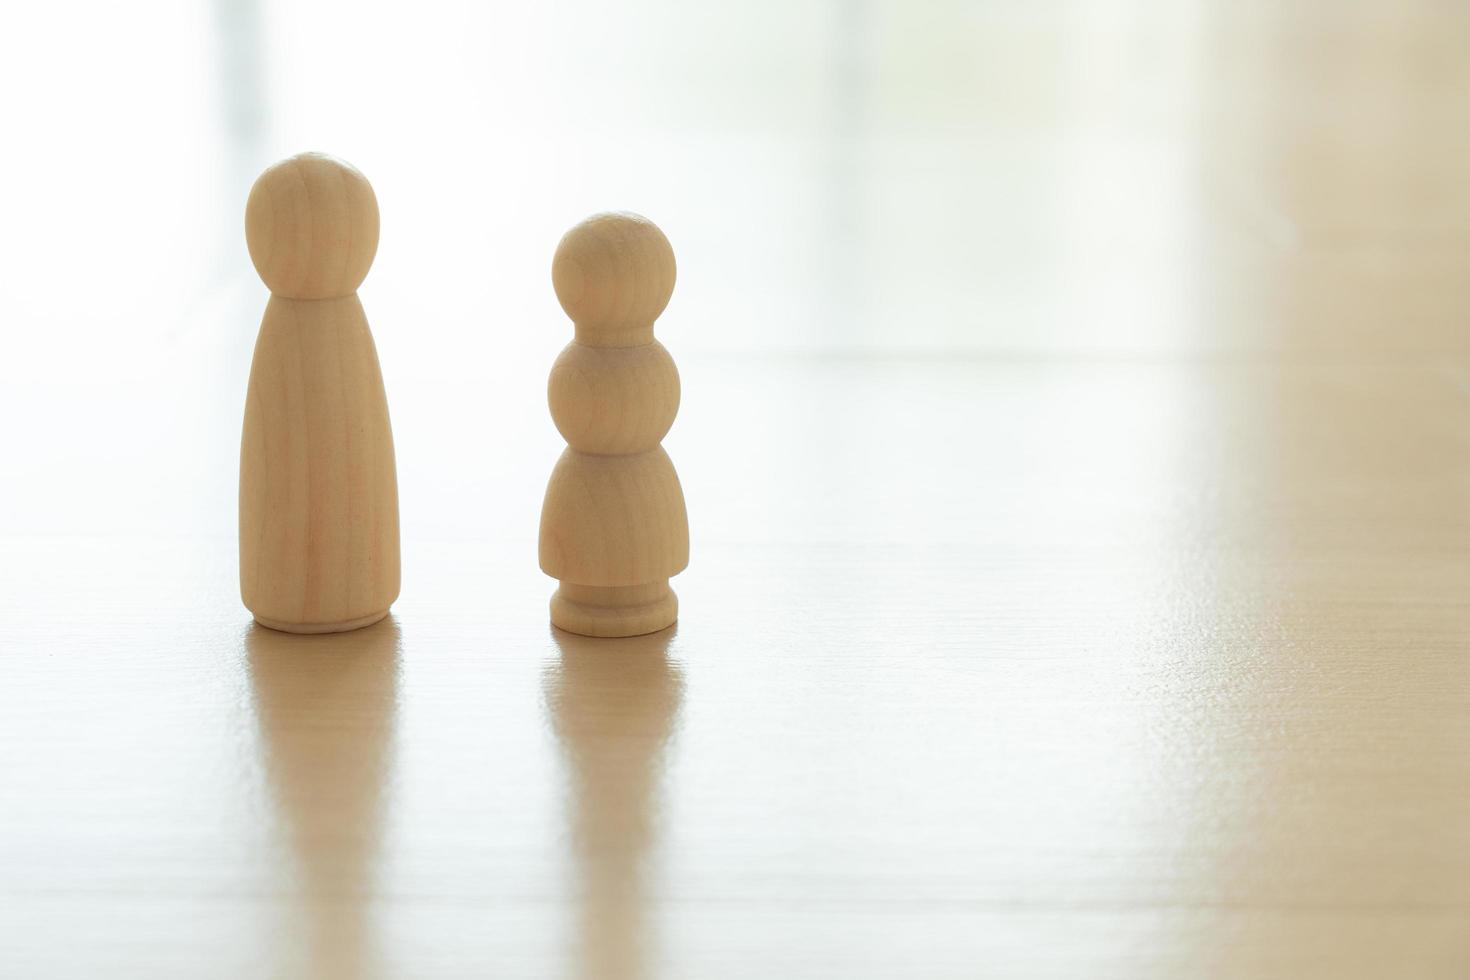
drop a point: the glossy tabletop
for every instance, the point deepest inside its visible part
(1076, 437)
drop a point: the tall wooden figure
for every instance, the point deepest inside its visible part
(613, 526)
(318, 486)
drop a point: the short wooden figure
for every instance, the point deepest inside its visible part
(613, 525)
(318, 484)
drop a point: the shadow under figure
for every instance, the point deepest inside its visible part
(614, 703)
(326, 707)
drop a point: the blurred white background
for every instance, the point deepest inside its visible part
(851, 178)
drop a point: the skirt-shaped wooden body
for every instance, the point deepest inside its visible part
(613, 530)
(318, 483)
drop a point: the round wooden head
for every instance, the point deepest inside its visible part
(312, 227)
(614, 274)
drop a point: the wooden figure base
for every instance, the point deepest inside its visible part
(307, 628)
(629, 610)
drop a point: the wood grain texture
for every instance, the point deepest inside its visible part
(319, 546)
(1124, 638)
(311, 224)
(1166, 680)
(614, 526)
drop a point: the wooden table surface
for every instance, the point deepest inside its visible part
(1080, 504)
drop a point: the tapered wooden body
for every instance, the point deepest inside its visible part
(614, 527)
(318, 485)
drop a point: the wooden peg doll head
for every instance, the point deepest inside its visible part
(613, 275)
(311, 224)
